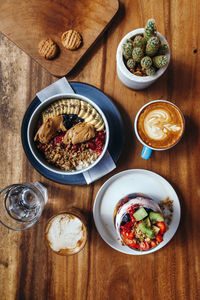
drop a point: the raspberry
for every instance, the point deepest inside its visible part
(58, 139)
(99, 143)
(92, 145)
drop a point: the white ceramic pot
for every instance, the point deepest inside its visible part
(126, 77)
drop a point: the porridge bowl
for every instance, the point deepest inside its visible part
(68, 134)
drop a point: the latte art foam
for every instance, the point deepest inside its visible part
(160, 125)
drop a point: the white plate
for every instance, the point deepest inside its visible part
(122, 184)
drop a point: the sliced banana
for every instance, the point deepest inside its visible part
(53, 110)
(88, 112)
(100, 127)
(56, 109)
(83, 109)
(96, 120)
(91, 116)
(70, 106)
(74, 106)
(77, 106)
(65, 103)
(61, 108)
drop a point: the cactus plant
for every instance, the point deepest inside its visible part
(139, 41)
(137, 54)
(127, 49)
(150, 71)
(150, 29)
(127, 43)
(144, 53)
(160, 61)
(163, 48)
(152, 46)
(130, 63)
(146, 62)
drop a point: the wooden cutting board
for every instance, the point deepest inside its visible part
(27, 22)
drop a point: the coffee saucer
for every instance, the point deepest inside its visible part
(122, 184)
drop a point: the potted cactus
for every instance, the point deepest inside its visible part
(142, 56)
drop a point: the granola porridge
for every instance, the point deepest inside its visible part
(70, 134)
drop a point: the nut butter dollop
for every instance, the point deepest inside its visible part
(49, 128)
(80, 133)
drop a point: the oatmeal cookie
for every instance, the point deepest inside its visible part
(71, 39)
(47, 48)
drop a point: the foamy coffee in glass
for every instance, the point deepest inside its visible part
(159, 125)
(66, 232)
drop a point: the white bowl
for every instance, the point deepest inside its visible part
(126, 77)
(141, 200)
(33, 123)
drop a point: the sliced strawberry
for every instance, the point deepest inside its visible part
(130, 235)
(144, 246)
(159, 238)
(130, 243)
(162, 227)
(153, 243)
(128, 225)
(134, 245)
(131, 211)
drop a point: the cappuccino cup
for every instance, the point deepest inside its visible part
(66, 232)
(159, 125)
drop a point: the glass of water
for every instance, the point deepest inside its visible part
(21, 205)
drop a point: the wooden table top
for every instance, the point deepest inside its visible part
(28, 270)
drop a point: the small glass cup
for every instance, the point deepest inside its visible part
(66, 232)
(21, 205)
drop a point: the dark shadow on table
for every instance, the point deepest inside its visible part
(128, 149)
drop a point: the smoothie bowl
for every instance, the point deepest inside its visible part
(139, 222)
(68, 134)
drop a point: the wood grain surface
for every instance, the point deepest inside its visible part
(28, 270)
(26, 23)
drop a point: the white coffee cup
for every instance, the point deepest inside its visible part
(147, 149)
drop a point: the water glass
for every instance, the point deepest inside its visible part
(21, 205)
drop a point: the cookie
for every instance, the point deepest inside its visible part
(47, 48)
(71, 39)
